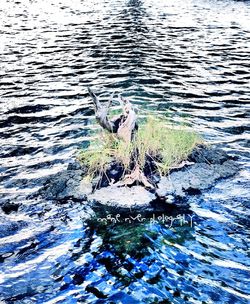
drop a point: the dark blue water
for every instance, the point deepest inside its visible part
(187, 60)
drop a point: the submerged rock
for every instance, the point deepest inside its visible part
(9, 207)
(206, 165)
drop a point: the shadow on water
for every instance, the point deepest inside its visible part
(130, 233)
(126, 253)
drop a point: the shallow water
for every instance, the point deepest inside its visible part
(187, 60)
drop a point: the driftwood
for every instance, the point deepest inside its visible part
(123, 125)
(128, 125)
(135, 176)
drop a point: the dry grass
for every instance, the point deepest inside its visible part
(166, 145)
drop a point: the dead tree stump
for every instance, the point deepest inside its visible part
(125, 127)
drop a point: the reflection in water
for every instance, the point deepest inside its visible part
(176, 58)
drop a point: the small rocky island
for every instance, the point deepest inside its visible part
(139, 167)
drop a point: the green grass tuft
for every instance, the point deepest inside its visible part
(166, 145)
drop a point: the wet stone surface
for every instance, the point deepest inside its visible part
(207, 165)
(120, 198)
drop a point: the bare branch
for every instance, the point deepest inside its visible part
(95, 99)
(110, 100)
(101, 112)
(127, 127)
(124, 125)
(120, 99)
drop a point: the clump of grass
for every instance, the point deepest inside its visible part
(166, 146)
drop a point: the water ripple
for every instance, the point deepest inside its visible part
(186, 60)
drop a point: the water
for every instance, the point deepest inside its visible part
(188, 60)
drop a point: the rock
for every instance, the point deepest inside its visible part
(75, 165)
(195, 178)
(209, 155)
(136, 197)
(206, 165)
(65, 185)
(10, 207)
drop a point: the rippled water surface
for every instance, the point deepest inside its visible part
(188, 60)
